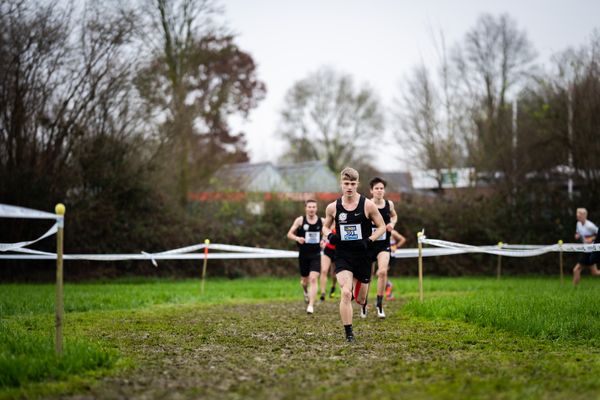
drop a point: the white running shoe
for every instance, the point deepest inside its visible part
(310, 310)
(306, 297)
(363, 311)
(380, 312)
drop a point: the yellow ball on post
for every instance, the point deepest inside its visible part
(60, 209)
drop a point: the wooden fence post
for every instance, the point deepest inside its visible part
(59, 305)
(560, 261)
(499, 265)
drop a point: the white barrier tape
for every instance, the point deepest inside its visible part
(492, 249)
(427, 252)
(151, 258)
(7, 211)
(182, 250)
(183, 253)
(15, 246)
(514, 250)
(145, 257)
(228, 247)
(225, 247)
(32, 251)
(189, 249)
(442, 248)
(579, 247)
(521, 246)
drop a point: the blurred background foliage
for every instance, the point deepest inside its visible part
(120, 111)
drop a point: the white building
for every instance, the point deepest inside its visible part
(449, 178)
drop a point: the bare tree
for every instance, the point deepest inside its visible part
(325, 118)
(494, 60)
(574, 92)
(57, 79)
(196, 77)
(65, 92)
(429, 117)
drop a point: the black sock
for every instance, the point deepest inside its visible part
(332, 289)
(379, 301)
(348, 329)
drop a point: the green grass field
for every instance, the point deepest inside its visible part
(250, 338)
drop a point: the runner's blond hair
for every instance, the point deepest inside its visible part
(349, 174)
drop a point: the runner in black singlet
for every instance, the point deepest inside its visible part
(380, 248)
(306, 232)
(353, 216)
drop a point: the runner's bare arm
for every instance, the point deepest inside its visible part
(393, 218)
(400, 240)
(329, 219)
(323, 241)
(292, 232)
(374, 215)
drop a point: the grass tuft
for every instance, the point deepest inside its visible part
(27, 357)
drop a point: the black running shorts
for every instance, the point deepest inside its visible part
(589, 258)
(329, 253)
(377, 247)
(358, 263)
(309, 264)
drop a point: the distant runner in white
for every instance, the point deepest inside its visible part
(586, 231)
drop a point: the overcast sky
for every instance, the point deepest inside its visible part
(378, 42)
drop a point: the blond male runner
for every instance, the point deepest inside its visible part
(353, 216)
(586, 231)
(380, 248)
(306, 232)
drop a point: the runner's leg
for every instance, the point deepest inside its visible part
(576, 274)
(312, 287)
(345, 280)
(325, 264)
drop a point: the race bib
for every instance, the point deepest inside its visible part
(350, 232)
(312, 237)
(382, 237)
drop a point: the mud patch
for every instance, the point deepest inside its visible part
(276, 351)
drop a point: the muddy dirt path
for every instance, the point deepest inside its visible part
(276, 351)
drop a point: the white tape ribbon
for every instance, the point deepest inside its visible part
(145, 257)
(15, 246)
(151, 258)
(183, 253)
(7, 211)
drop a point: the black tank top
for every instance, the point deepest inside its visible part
(387, 217)
(351, 226)
(312, 237)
